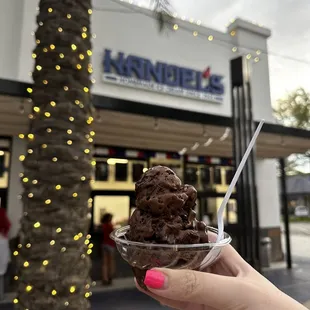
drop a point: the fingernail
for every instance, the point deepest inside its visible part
(155, 279)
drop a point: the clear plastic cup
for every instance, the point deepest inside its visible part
(144, 256)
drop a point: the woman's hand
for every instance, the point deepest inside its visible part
(230, 284)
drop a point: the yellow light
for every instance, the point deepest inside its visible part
(21, 175)
(28, 245)
(72, 289)
(87, 286)
(49, 130)
(258, 52)
(58, 230)
(90, 70)
(80, 235)
(91, 246)
(35, 182)
(45, 82)
(63, 249)
(90, 120)
(77, 102)
(38, 41)
(93, 81)
(66, 303)
(233, 33)
(28, 288)
(50, 10)
(22, 157)
(52, 242)
(52, 46)
(68, 16)
(15, 301)
(54, 292)
(60, 29)
(48, 201)
(87, 295)
(71, 118)
(69, 142)
(44, 146)
(145, 169)
(90, 11)
(93, 163)
(210, 38)
(86, 242)
(83, 178)
(79, 66)
(248, 56)
(29, 90)
(61, 55)
(90, 140)
(86, 89)
(45, 50)
(81, 56)
(47, 114)
(84, 35)
(26, 264)
(53, 103)
(54, 159)
(36, 109)
(92, 133)
(86, 151)
(73, 47)
(89, 200)
(15, 253)
(76, 238)
(21, 136)
(36, 225)
(16, 278)
(69, 131)
(45, 263)
(34, 55)
(57, 67)
(256, 59)
(58, 187)
(39, 68)
(84, 28)
(74, 195)
(89, 52)
(66, 88)
(31, 136)
(175, 26)
(30, 195)
(30, 151)
(234, 49)
(94, 35)
(19, 246)
(195, 33)
(25, 180)
(89, 251)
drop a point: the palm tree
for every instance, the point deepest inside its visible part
(53, 261)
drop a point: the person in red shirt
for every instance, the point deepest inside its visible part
(108, 249)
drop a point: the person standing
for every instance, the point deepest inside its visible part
(108, 250)
(5, 225)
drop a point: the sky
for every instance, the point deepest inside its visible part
(288, 21)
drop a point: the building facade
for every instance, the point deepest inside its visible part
(161, 98)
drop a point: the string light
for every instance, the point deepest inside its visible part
(248, 56)
(175, 26)
(36, 225)
(58, 230)
(45, 263)
(210, 37)
(54, 292)
(15, 253)
(52, 242)
(44, 146)
(195, 33)
(21, 136)
(68, 16)
(48, 201)
(72, 289)
(73, 47)
(61, 55)
(53, 103)
(35, 182)
(26, 264)
(52, 46)
(256, 59)
(234, 49)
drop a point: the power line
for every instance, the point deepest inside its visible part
(214, 40)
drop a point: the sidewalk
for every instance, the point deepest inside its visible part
(295, 282)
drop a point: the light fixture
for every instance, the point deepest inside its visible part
(145, 170)
(225, 134)
(183, 151)
(113, 161)
(195, 146)
(209, 141)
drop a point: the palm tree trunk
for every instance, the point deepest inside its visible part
(53, 260)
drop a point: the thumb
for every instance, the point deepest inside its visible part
(197, 287)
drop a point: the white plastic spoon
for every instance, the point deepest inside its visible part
(220, 212)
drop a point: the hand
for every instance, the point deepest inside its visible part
(230, 284)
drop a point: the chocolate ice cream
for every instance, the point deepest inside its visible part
(164, 215)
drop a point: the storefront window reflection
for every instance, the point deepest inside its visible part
(102, 171)
(217, 175)
(121, 172)
(137, 171)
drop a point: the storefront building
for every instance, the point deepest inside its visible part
(161, 99)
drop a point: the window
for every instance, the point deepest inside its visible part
(205, 177)
(121, 172)
(102, 172)
(191, 176)
(137, 171)
(229, 173)
(2, 164)
(217, 175)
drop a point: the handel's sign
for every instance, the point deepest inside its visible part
(137, 72)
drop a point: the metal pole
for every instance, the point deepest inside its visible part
(286, 214)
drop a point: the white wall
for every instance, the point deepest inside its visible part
(11, 21)
(268, 193)
(15, 207)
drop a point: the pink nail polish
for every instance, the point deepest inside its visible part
(155, 279)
